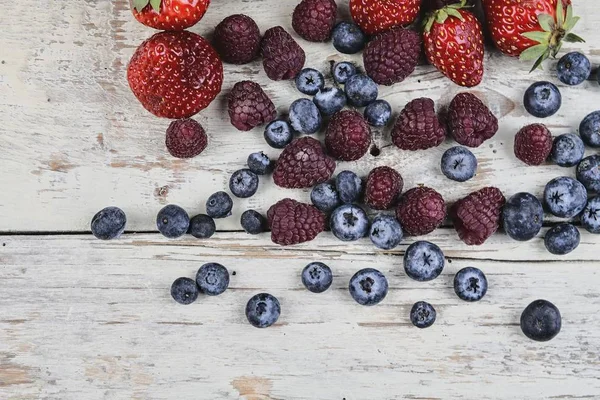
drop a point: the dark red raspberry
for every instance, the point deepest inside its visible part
(348, 136)
(392, 56)
(303, 164)
(237, 39)
(249, 106)
(477, 216)
(533, 144)
(384, 185)
(470, 122)
(418, 127)
(283, 58)
(313, 20)
(185, 138)
(292, 222)
(420, 211)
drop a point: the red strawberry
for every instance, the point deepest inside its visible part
(376, 16)
(454, 44)
(169, 15)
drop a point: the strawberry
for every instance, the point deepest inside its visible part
(169, 15)
(376, 16)
(454, 44)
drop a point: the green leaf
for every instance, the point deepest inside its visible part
(556, 50)
(570, 23)
(429, 24)
(573, 38)
(569, 13)
(538, 62)
(139, 5)
(560, 14)
(441, 17)
(537, 36)
(533, 52)
(155, 4)
(546, 22)
(455, 13)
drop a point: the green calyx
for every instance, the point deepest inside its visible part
(440, 16)
(550, 39)
(139, 5)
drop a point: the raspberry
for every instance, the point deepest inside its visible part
(470, 122)
(383, 188)
(292, 222)
(392, 56)
(303, 164)
(533, 144)
(420, 211)
(283, 58)
(418, 127)
(249, 106)
(348, 136)
(477, 216)
(185, 138)
(237, 39)
(313, 20)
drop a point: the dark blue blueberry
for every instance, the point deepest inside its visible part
(172, 221)
(459, 164)
(523, 216)
(263, 310)
(541, 321)
(305, 116)
(368, 287)
(562, 239)
(184, 291)
(361, 90)
(565, 197)
(590, 217)
(202, 226)
(243, 183)
(310, 81)
(378, 113)
(349, 186)
(573, 68)
(422, 314)
(219, 205)
(386, 232)
(279, 134)
(542, 99)
(317, 277)
(349, 223)
(588, 173)
(259, 163)
(470, 284)
(589, 129)
(567, 150)
(348, 38)
(325, 197)
(342, 71)
(423, 261)
(212, 279)
(109, 223)
(253, 222)
(330, 100)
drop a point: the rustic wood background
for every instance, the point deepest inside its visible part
(85, 319)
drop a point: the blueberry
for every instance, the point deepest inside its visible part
(263, 310)
(589, 129)
(562, 239)
(590, 217)
(212, 279)
(386, 232)
(422, 314)
(423, 261)
(565, 197)
(567, 150)
(459, 164)
(259, 163)
(361, 90)
(172, 221)
(349, 223)
(184, 291)
(305, 116)
(368, 287)
(202, 226)
(349, 186)
(219, 205)
(588, 173)
(523, 216)
(330, 100)
(573, 68)
(317, 277)
(470, 284)
(243, 183)
(325, 197)
(378, 113)
(342, 71)
(542, 99)
(348, 38)
(541, 321)
(108, 223)
(253, 222)
(310, 81)
(278, 134)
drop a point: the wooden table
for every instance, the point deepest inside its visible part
(86, 319)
